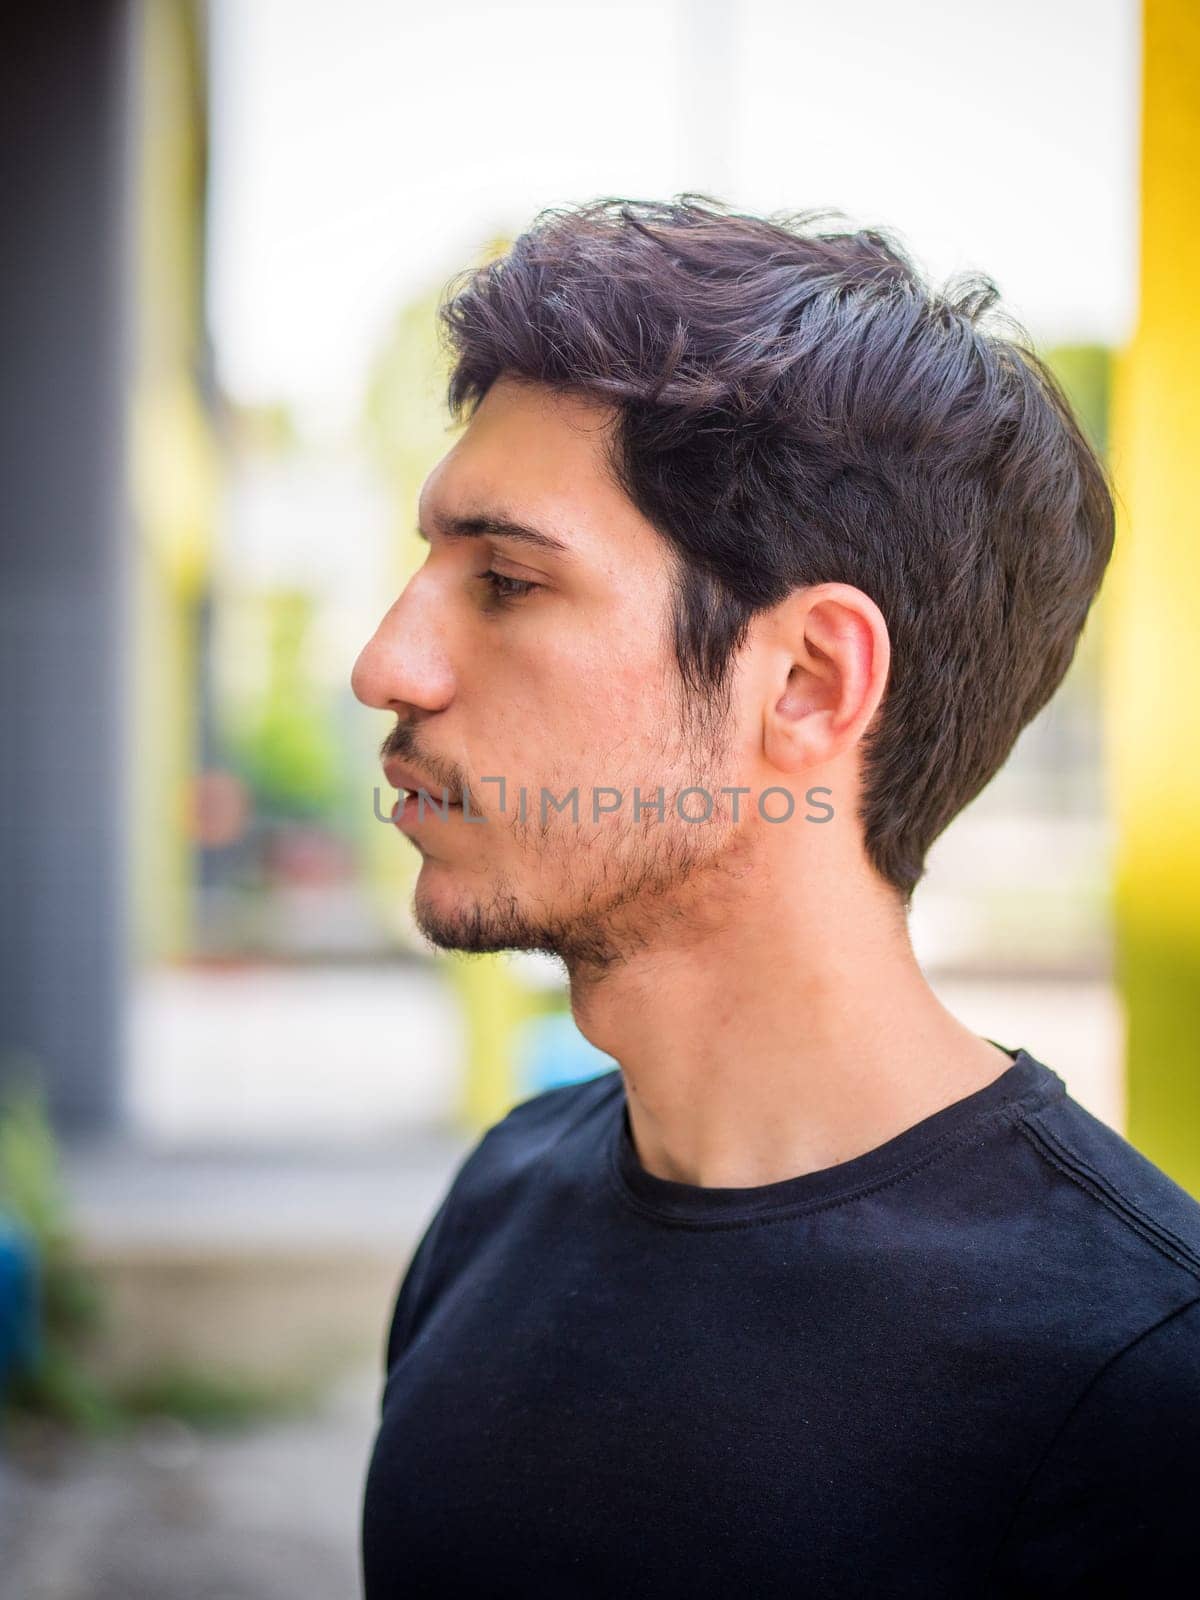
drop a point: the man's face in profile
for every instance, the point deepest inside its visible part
(555, 673)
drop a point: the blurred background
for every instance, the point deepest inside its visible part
(235, 1082)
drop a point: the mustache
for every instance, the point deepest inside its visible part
(401, 743)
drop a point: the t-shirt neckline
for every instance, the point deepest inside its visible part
(1026, 1084)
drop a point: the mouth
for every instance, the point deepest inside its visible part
(421, 800)
(423, 807)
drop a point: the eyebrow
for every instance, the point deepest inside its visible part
(485, 526)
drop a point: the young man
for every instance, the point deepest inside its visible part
(821, 1293)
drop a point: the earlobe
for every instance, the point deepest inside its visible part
(797, 731)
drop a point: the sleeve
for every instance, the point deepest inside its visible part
(1112, 1507)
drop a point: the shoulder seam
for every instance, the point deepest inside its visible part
(1060, 1155)
(1072, 1410)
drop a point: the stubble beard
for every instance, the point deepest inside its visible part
(614, 885)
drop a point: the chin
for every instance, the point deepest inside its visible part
(453, 918)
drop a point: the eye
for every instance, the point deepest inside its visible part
(503, 589)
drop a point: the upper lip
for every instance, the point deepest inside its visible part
(402, 777)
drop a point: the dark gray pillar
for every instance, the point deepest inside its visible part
(66, 101)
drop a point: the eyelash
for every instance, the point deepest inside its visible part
(505, 590)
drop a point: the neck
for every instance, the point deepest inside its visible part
(788, 1037)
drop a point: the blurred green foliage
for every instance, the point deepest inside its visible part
(1085, 372)
(212, 1400)
(286, 746)
(71, 1303)
(60, 1386)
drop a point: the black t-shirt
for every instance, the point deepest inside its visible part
(965, 1363)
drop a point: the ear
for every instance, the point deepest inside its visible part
(833, 654)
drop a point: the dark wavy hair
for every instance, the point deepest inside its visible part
(796, 406)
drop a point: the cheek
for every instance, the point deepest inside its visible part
(616, 715)
(593, 683)
(592, 701)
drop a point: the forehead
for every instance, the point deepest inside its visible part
(532, 455)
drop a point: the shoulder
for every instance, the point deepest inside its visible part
(1146, 1393)
(1105, 1198)
(543, 1118)
(1109, 1506)
(532, 1141)
(1063, 1227)
(1111, 1244)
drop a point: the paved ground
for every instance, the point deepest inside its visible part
(171, 1514)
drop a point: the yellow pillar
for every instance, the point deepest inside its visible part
(1152, 617)
(495, 1004)
(173, 471)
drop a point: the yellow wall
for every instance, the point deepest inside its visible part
(173, 470)
(1153, 617)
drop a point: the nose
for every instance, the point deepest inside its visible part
(403, 666)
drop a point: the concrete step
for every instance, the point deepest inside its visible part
(266, 1266)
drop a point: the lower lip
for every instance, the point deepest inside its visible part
(414, 810)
